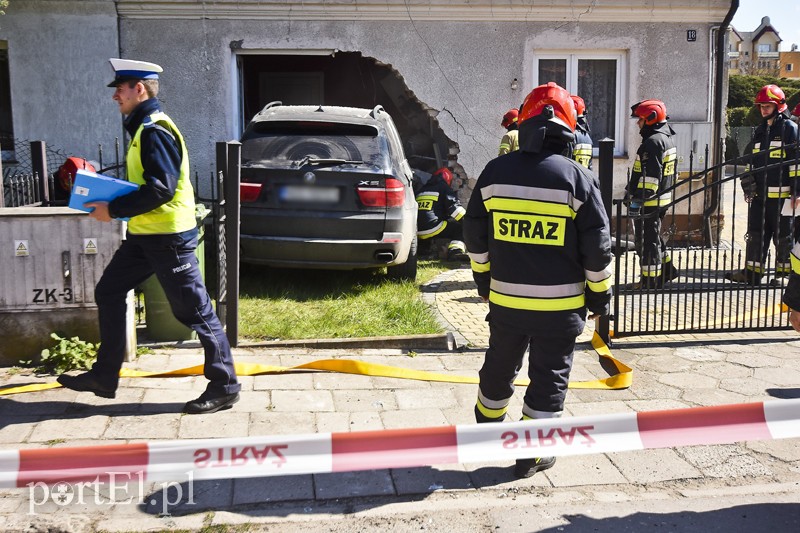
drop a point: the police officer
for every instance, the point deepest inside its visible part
(582, 148)
(649, 191)
(540, 248)
(774, 141)
(439, 215)
(161, 239)
(510, 140)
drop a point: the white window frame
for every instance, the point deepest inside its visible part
(572, 57)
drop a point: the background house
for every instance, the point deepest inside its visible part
(756, 52)
(790, 63)
(446, 70)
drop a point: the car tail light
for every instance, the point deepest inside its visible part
(249, 192)
(392, 194)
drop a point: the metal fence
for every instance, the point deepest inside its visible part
(705, 228)
(33, 179)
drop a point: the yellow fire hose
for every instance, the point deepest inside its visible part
(621, 380)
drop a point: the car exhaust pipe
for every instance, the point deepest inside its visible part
(384, 257)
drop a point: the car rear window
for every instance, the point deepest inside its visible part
(281, 143)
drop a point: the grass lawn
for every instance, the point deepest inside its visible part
(325, 304)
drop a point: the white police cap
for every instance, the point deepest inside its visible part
(128, 69)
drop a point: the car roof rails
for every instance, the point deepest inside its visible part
(263, 110)
(377, 109)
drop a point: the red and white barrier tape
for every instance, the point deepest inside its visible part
(401, 448)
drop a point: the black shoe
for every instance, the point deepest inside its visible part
(86, 382)
(210, 404)
(528, 467)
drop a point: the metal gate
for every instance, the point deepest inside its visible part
(705, 228)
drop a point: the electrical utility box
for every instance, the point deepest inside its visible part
(51, 258)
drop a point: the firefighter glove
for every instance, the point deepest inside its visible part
(749, 186)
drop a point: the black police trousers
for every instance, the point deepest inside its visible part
(549, 365)
(172, 259)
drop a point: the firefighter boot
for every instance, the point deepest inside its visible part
(744, 276)
(457, 251)
(528, 467)
(649, 282)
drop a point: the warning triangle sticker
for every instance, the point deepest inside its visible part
(90, 246)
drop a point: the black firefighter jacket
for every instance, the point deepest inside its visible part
(539, 242)
(772, 145)
(655, 167)
(437, 204)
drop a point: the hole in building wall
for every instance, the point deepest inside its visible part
(349, 79)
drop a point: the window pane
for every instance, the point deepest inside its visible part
(597, 85)
(553, 70)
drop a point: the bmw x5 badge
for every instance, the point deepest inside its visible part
(309, 177)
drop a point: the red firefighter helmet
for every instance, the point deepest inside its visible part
(510, 117)
(580, 105)
(772, 94)
(796, 110)
(445, 174)
(555, 97)
(652, 111)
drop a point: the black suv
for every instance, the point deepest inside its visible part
(327, 187)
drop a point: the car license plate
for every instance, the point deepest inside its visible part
(305, 193)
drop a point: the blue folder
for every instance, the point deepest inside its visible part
(91, 187)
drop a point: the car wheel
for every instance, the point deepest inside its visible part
(408, 270)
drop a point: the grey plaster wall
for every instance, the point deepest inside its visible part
(58, 64)
(462, 70)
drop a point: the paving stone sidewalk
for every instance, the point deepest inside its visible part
(668, 373)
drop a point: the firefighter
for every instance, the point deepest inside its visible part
(440, 214)
(540, 249)
(796, 114)
(510, 141)
(649, 191)
(582, 148)
(161, 239)
(766, 192)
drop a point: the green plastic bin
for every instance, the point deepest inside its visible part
(160, 324)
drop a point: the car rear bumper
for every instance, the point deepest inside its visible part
(392, 249)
